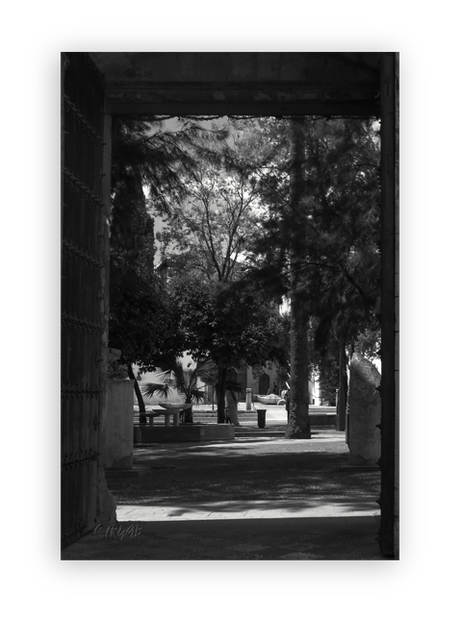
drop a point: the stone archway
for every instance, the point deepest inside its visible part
(357, 84)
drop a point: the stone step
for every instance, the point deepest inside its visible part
(259, 432)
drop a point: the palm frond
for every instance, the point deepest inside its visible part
(161, 389)
(197, 395)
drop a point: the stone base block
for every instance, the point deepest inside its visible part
(123, 463)
(187, 432)
(106, 511)
(329, 419)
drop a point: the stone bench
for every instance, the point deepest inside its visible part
(166, 413)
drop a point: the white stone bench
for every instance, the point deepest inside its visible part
(167, 413)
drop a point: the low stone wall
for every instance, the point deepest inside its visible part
(323, 419)
(187, 433)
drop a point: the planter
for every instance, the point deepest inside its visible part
(187, 433)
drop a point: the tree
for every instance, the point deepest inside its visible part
(298, 425)
(230, 324)
(223, 319)
(323, 243)
(138, 314)
(163, 152)
(145, 156)
(351, 223)
(142, 322)
(216, 220)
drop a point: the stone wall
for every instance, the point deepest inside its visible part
(105, 501)
(241, 83)
(119, 425)
(397, 445)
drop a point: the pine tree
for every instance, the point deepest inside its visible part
(333, 229)
(146, 156)
(298, 425)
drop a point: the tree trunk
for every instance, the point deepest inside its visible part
(232, 404)
(188, 412)
(299, 421)
(220, 393)
(343, 388)
(299, 424)
(140, 398)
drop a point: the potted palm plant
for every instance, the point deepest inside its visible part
(183, 380)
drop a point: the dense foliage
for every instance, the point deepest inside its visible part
(336, 226)
(231, 324)
(245, 225)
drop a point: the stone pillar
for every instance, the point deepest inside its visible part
(389, 500)
(364, 434)
(120, 424)
(106, 505)
(104, 296)
(396, 347)
(64, 65)
(248, 398)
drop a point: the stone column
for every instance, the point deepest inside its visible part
(396, 346)
(106, 505)
(64, 65)
(364, 434)
(248, 398)
(389, 99)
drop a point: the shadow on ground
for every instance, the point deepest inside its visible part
(309, 539)
(264, 470)
(245, 469)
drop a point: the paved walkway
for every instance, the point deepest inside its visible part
(320, 529)
(227, 510)
(314, 534)
(194, 503)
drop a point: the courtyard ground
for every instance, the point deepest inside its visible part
(258, 497)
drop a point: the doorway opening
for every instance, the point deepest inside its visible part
(207, 236)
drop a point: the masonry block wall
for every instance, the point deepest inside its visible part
(397, 407)
(241, 83)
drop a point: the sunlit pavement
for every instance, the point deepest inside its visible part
(268, 509)
(274, 414)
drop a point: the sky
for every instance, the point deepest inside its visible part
(176, 124)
